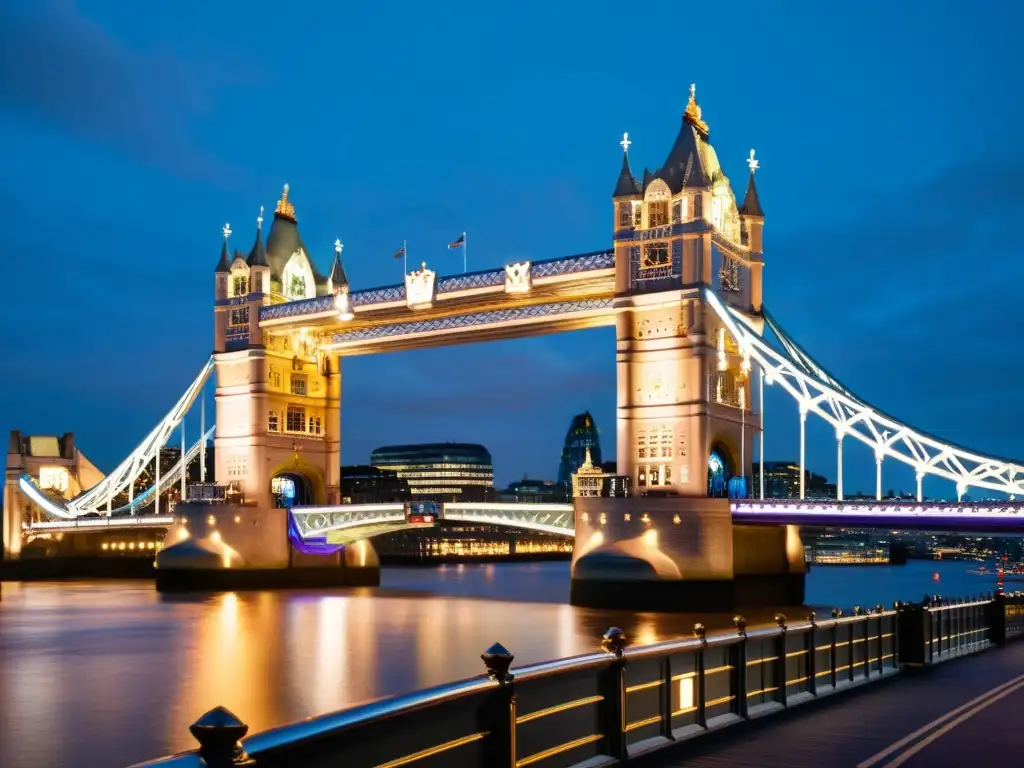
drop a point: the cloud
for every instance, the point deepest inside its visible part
(61, 70)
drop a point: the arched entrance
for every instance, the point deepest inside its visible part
(719, 473)
(291, 489)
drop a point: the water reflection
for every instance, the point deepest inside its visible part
(110, 673)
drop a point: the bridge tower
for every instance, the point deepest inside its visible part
(686, 418)
(684, 394)
(278, 398)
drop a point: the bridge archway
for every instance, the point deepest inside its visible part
(297, 484)
(720, 470)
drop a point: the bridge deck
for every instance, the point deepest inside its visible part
(905, 714)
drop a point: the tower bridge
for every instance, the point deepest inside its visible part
(694, 345)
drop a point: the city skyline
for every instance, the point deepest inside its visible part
(526, 165)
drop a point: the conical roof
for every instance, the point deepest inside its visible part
(626, 186)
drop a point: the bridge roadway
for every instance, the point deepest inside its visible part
(955, 715)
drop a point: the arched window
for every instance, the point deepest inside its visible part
(297, 278)
(239, 279)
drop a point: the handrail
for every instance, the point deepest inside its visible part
(646, 697)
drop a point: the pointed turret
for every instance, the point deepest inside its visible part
(626, 185)
(337, 277)
(686, 165)
(751, 203)
(224, 265)
(258, 254)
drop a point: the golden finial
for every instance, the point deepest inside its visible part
(692, 115)
(752, 162)
(284, 205)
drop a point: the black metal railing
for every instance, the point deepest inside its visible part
(622, 702)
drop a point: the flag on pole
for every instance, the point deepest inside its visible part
(458, 243)
(400, 254)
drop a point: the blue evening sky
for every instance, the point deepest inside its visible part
(888, 134)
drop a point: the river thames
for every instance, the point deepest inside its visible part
(111, 673)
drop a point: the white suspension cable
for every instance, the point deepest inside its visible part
(815, 391)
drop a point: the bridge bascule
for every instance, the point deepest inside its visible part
(695, 348)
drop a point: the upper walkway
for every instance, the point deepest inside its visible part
(954, 715)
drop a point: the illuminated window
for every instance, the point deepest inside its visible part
(655, 255)
(641, 476)
(239, 285)
(53, 478)
(657, 213)
(677, 211)
(298, 384)
(625, 214)
(637, 216)
(314, 425)
(296, 419)
(698, 206)
(239, 316)
(272, 422)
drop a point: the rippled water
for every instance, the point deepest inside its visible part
(109, 673)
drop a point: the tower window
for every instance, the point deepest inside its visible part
(698, 206)
(272, 422)
(239, 285)
(299, 383)
(677, 211)
(625, 214)
(637, 216)
(296, 420)
(657, 213)
(655, 255)
(239, 316)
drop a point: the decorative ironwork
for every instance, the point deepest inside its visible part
(817, 392)
(459, 322)
(296, 308)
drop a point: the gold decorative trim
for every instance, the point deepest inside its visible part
(558, 708)
(431, 751)
(538, 756)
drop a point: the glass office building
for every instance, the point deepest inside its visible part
(582, 434)
(440, 471)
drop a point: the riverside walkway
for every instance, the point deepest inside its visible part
(933, 683)
(955, 715)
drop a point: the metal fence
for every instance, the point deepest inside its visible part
(620, 703)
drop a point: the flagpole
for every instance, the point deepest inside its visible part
(405, 261)
(465, 257)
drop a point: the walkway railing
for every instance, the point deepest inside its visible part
(621, 703)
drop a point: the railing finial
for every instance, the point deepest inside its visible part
(219, 732)
(614, 641)
(498, 660)
(740, 623)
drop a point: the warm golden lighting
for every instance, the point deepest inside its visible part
(676, 519)
(211, 520)
(238, 518)
(182, 533)
(686, 693)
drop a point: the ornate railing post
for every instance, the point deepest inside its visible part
(614, 690)
(219, 732)
(997, 619)
(701, 687)
(740, 666)
(913, 634)
(812, 654)
(879, 610)
(500, 710)
(780, 660)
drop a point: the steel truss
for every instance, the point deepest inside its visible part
(817, 392)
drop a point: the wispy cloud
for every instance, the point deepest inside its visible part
(60, 70)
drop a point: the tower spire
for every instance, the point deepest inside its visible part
(692, 115)
(258, 254)
(751, 204)
(337, 275)
(285, 209)
(224, 265)
(626, 185)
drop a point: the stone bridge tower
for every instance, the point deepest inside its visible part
(684, 395)
(278, 398)
(686, 425)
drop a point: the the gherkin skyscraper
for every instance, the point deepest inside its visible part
(582, 434)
